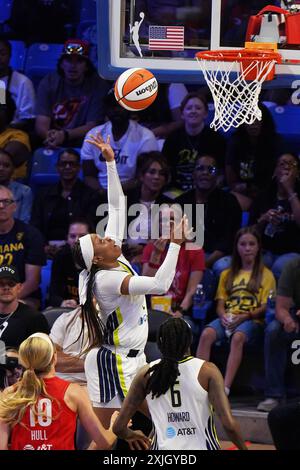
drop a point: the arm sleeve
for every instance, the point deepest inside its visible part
(160, 283)
(116, 205)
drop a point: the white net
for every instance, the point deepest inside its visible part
(235, 98)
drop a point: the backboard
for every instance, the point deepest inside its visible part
(164, 36)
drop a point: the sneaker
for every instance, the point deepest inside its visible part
(268, 404)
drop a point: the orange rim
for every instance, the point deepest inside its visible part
(239, 55)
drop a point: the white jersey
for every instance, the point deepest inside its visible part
(125, 316)
(137, 139)
(111, 368)
(183, 417)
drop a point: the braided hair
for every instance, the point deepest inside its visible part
(174, 339)
(89, 314)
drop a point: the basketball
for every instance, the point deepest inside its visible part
(136, 89)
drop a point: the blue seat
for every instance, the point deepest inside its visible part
(88, 11)
(287, 120)
(18, 55)
(5, 10)
(41, 59)
(43, 171)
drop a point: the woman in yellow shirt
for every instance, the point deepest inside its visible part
(241, 302)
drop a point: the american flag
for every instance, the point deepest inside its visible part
(166, 38)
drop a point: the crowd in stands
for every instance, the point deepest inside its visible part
(252, 171)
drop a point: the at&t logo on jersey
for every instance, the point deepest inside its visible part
(171, 432)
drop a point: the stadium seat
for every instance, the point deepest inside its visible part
(18, 55)
(5, 10)
(287, 121)
(43, 171)
(88, 10)
(41, 59)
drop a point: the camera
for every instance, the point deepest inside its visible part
(10, 362)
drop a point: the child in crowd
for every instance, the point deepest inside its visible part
(241, 302)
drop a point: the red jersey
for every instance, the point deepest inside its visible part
(188, 261)
(54, 427)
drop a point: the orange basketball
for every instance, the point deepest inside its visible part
(136, 89)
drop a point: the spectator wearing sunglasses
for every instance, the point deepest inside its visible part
(183, 146)
(222, 213)
(69, 101)
(56, 205)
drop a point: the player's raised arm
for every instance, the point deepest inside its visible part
(116, 199)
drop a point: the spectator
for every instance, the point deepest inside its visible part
(20, 88)
(70, 346)
(242, 300)
(22, 193)
(276, 211)
(18, 320)
(251, 157)
(64, 275)
(152, 174)
(14, 141)
(69, 101)
(127, 138)
(184, 146)
(57, 204)
(280, 333)
(21, 245)
(188, 273)
(222, 213)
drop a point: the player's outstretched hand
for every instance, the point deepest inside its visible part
(105, 147)
(180, 233)
(138, 440)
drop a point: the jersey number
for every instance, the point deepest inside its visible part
(44, 417)
(175, 396)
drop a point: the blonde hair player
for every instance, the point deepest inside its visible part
(39, 412)
(118, 333)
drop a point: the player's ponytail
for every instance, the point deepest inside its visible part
(174, 340)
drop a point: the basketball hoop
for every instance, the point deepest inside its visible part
(235, 78)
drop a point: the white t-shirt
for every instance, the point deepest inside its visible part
(136, 140)
(176, 93)
(23, 94)
(64, 333)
